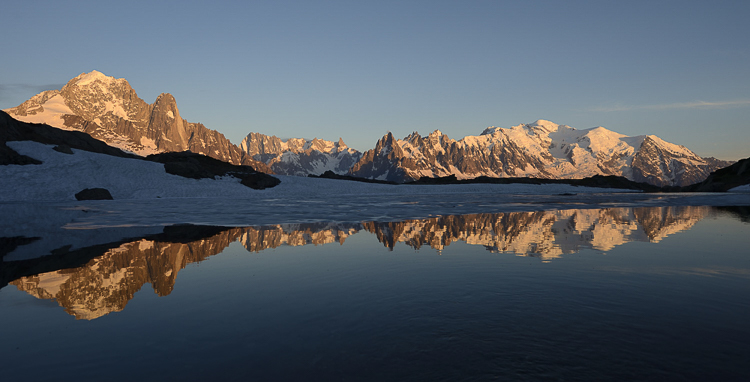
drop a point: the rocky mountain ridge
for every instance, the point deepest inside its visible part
(298, 156)
(542, 149)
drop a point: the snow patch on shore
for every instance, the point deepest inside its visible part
(61, 176)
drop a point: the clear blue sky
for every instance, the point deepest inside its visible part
(358, 69)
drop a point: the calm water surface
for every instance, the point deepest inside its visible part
(618, 294)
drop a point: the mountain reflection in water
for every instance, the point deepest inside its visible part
(110, 279)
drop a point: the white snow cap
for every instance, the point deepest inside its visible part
(87, 78)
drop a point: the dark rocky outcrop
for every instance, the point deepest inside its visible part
(186, 163)
(600, 181)
(65, 149)
(197, 166)
(94, 194)
(724, 179)
(258, 181)
(14, 130)
(332, 175)
(10, 156)
(612, 181)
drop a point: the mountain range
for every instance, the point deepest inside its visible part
(542, 149)
(299, 156)
(110, 110)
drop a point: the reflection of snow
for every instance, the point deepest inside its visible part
(544, 234)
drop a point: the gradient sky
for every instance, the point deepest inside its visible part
(358, 69)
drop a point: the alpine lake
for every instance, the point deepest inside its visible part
(643, 293)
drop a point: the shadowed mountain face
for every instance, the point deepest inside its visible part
(724, 179)
(102, 279)
(109, 110)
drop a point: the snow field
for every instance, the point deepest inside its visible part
(61, 176)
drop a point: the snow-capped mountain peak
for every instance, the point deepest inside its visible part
(297, 156)
(340, 145)
(544, 125)
(93, 76)
(108, 109)
(541, 149)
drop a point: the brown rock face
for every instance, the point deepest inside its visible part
(386, 161)
(655, 165)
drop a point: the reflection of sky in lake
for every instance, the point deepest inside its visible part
(621, 293)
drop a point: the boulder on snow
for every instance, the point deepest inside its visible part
(258, 181)
(65, 149)
(94, 194)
